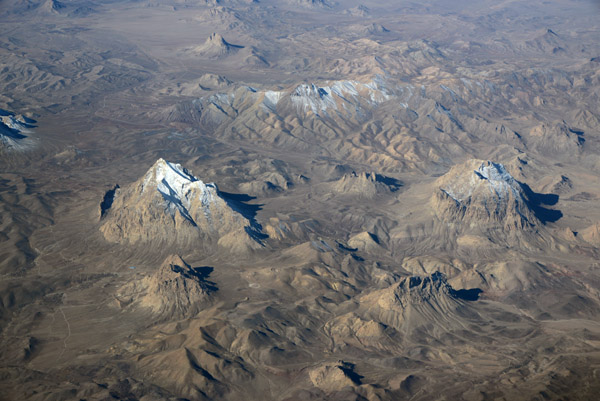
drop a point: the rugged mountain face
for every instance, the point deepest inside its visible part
(592, 234)
(482, 194)
(423, 124)
(365, 242)
(366, 185)
(337, 96)
(171, 206)
(13, 128)
(216, 47)
(415, 301)
(479, 203)
(174, 290)
(337, 99)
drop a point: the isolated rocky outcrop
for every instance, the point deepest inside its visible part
(334, 376)
(366, 185)
(174, 290)
(365, 242)
(53, 6)
(170, 206)
(415, 290)
(216, 47)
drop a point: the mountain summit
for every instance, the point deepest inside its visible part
(482, 192)
(170, 205)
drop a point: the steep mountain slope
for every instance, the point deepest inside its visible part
(174, 290)
(169, 206)
(430, 292)
(216, 47)
(478, 193)
(12, 131)
(480, 199)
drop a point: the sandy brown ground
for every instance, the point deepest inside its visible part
(342, 299)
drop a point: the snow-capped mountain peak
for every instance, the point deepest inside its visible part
(486, 175)
(169, 204)
(178, 187)
(499, 180)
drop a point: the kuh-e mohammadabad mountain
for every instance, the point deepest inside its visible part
(406, 205)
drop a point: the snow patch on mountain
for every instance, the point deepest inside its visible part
(170, 205)
(13, 128)
(271, 99)
(338, 94)
(490, 174)
(178, 187)
(311, 97)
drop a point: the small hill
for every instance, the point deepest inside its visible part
(365, 242)
(366, 185)
(174, 290)
(53, 7)
(334, 376)
(216, 47)
(556, 139)
(417, 301)
(370, 29)
(547, 42)
(358, 11)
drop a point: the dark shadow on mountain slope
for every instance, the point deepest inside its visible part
(11, 132)
(26, 121)
(392, 183)
(535, 202)
(198, 274)
(348, 369)
(238, 203)
(471, 294)
(202, 273)
(108, 200)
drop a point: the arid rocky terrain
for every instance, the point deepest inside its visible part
(299, 200)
